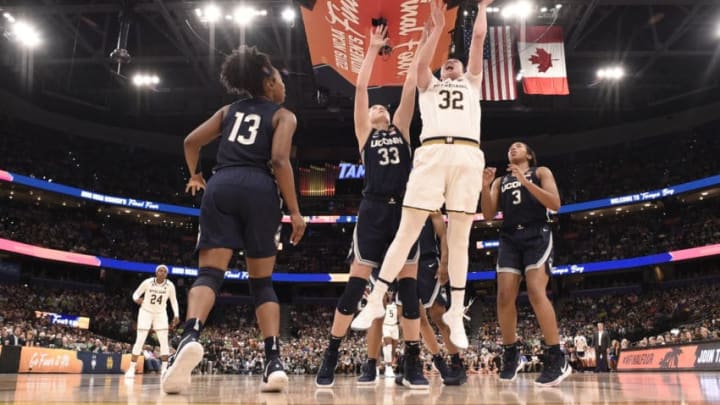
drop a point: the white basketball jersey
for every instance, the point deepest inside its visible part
(155, 296)
(391, 315)
(580, 343)
(450, 108)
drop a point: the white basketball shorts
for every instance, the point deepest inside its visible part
(446, 173)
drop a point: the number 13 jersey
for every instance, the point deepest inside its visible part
(451, 108)
(388, 159)
(247, 134)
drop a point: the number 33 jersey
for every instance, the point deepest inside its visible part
(388, 159)
(155, 296)
(451, 108)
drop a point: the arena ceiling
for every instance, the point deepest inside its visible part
(670, 49)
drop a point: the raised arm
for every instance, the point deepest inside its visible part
(284, 123)
(362, 105)
(475, 57)
(406, 108)
(490, 195)
(424, 73)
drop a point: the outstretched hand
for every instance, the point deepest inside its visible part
(488, 176)
(378, 37)
(437, 13)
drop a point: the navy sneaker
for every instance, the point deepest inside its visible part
(413, 377)
(511, 364)
(326, 376)
(274, 377)
(369, 374)
(440, 365)
(457, 374)
(555, 371)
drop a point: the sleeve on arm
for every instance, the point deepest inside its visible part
(140, 290)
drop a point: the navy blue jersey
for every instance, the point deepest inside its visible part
(388, 160)
(247, 134)
(519, 207)
(427, 241)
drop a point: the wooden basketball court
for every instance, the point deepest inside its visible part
(625, 388)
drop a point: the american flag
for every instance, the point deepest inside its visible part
(498, 70)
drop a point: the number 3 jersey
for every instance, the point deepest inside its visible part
(518, 206)
(388, 159)
(247, 134)
(451, 108)
(155, 296)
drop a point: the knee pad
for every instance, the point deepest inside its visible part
(210, 277)
(407, 291)
(262, 290)
(349, 300)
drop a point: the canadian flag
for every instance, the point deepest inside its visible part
(542, 59)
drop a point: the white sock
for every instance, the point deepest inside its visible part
(379, 290)
(387, 354)
(457, 296)
(133, 364)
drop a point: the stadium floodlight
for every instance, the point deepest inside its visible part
(9, 17)
(717, 30)
(145, 80)
(209, 14)
(244, 15)
(26, 34)
(611, 73)
(288, 14)
(521, 10)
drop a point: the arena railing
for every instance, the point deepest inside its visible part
(147, 205)
(561, 270)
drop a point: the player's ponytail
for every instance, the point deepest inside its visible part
(532, 157)
(245, 70)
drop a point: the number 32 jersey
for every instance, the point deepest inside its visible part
(155, 296)
(247, 134)
(451, 108)
(387, 159)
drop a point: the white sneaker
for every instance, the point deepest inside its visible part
(372, 311)
(454, 321)
(389, 373)
(130, 373)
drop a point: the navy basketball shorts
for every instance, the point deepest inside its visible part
(525, 248)
(375, 229)
(428, 285)
(241, 210)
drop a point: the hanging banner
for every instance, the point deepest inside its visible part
(338, 35)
